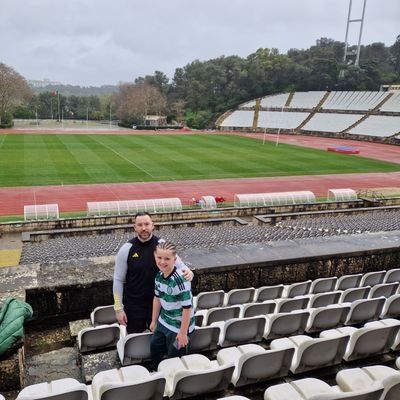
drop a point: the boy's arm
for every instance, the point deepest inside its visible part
(155, 313)
(182, 336)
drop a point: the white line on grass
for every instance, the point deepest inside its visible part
(126, 159)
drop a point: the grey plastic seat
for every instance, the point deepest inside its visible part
(360, 378)
(323, 285)
(134, 348)
(348, 281)
(285, 324)
(316, 389)
(329, 317)
(291, 304)
(241, 330)
(204, 338)
(364, 310)
(392, 275)
(254, 309)
(98, 338)
(103, 315)
(324, 299)
(395, 345)
(365, 342)
(255, 364)
(194, 375)
(268, 293)
(353, 294)
(391, 308)
(384, 289)
(132, 382)
(312, 353)
(220, 314)
(372, 278)
(239, 296)
(296, 289)
(206, 300)
(67, 388)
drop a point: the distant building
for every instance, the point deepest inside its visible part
(43, 83)
(155, 120)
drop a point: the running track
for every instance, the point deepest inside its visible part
(74, 197)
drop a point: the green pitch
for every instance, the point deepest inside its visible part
(54, 159)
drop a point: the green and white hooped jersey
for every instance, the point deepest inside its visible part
(175, 294)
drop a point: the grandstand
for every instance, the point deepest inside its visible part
(369, 115)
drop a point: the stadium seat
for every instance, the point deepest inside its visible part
(291, 304)
(312, 353)
(234, 398)
(132, 382)
(255, 364)
(391, 308)
(103, 315)
(239, 296)
(204, 338)
(329, 317)
(348, 281)
(353, 294)
(384, 289)
(364, 310)
(67, 388)
(253, 309)
(194, 375)
(372, 278)
(206, 300)
(324, 299)
(296, 289)
(99, 337)
(134, 348)
(323, 285)
(268, 293)
(392, 275)
(285, 324)
(391, 322)
(219, 314)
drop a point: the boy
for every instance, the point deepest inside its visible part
(172, 317)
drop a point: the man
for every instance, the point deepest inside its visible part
(135, 271)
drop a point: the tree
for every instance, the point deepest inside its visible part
(13, 88)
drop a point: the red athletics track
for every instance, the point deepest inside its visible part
(74, 197)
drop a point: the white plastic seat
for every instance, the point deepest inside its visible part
(329, 317)
(384, 289)
(324, 299)
(348, 281)
(194, 375)
(204, 338)
(365, 342)
(239, 296)
(372, 278)
(323, 285)
(268, 293)
(241, 330)
(391, 308)
(316, 389)
(206, 300)
(395, 343)
(285, 324)
(392, 275)
(134, 348)
(99, 337)
(219, 314)
(313, 353)
(364, 310)
(296, 289)
(103, 315)
(254, 309)
(255, 364)
(128, 383)
(67, 388)
(360, 378)
(291, 304)
(353, 294)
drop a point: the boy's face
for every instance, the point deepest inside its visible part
(165, 260)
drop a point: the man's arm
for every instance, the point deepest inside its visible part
(121, 267)
(187, 272)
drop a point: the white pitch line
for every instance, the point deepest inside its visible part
(126, 159)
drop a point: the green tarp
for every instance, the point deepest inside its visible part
(12, 317)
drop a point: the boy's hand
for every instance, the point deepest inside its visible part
(153, 326)
(182, 339)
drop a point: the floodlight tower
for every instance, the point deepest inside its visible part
(348, 55)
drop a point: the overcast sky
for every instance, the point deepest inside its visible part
(96, 42)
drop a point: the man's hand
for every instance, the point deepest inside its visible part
(122, 318)
(187, 274)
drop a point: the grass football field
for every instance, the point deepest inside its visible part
(55, 159)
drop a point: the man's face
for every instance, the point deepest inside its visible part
(143, 227)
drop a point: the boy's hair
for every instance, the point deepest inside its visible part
(166, 246)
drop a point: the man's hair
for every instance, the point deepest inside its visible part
(166, 246)
(142, 214)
